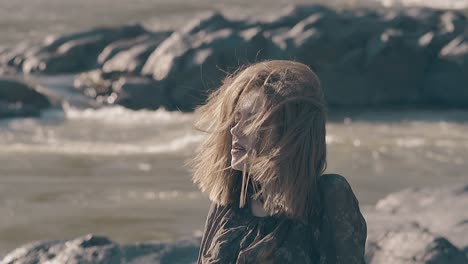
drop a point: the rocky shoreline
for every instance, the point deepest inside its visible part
(418, 225)
(365, 58)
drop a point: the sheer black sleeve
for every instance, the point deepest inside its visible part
(212, 212)
(343, 230)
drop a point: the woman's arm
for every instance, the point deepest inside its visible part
(343, 229)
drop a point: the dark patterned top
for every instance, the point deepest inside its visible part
(235, 235)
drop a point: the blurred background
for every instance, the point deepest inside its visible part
(96, 99)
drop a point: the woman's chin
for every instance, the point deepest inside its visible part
(238, 167)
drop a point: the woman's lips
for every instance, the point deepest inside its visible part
(237, 146)
(237, 150)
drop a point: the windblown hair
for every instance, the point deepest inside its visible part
(290, 153)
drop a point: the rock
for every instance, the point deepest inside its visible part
(447, 26)
(15, 56)
(414, 245)
(121, 45)
(209, 21)
(190, 64)
(292, 15)
(446, 81)
(133, 58)
(193, 60)
(139, 93)
(134, 92)
(76, 52)
(18, 99)
(433, 232)
(95, 249)
(365, 58)
(395, 67)
(213, 21)
(334, 45)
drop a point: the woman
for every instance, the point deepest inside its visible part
(262, 166)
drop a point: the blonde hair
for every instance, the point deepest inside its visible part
(290, 154)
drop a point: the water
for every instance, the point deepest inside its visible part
(120, 173)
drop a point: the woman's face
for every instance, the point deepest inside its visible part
(240, 142)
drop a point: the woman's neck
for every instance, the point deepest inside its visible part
(257, 209)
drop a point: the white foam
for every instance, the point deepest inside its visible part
(119, 114)
(410, 142)
(155, 195)
(187, 142)
(107, 131)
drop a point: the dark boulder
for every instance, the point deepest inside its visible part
(415, 244)
(134, 92)
(415, 224)
(18, 99)
(334, 46)
(191, 64)
(139, 93)
(446, 81)
(366, 58)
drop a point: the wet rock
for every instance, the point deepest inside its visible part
(365, 58)
(213, 21)
(425, 224)
(132, 58)
(139, 93)
(19, 99)
(413, 245)
(74, 52)
(335, 47)
(192, 61)
(134, 92)
(121, 45)
(446, 82)
(292, 15)
(15, 56)
(210, 21)
(95, 249)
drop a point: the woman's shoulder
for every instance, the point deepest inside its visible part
(344, 229)
(216, 209)
(330, 179)
(336, 191)
(335, 184)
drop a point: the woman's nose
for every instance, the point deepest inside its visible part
(235, 130)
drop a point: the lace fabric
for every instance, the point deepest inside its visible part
(234, 235)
